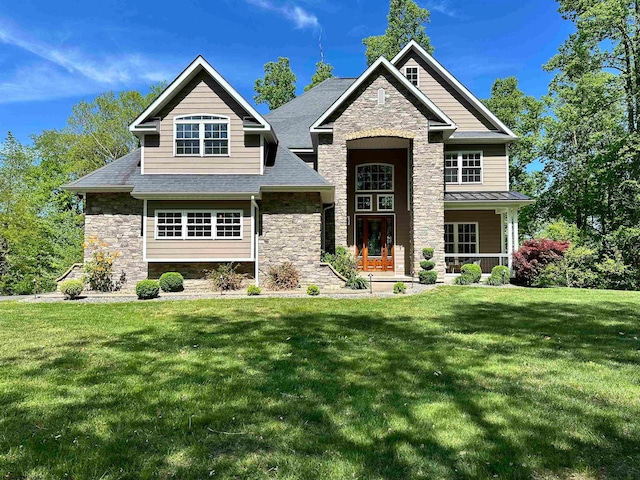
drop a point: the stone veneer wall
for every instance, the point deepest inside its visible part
(291, 232)
(116, 218)
(404, 116)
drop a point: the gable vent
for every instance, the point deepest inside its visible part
(382, 96)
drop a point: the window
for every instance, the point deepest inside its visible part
(381, 96)
(376, 177)
(460, 238)
(169, 224)
(412, 75)
(199, 224)
(385, 203)
(363, 203)
(463, 167)
(229, 224)
(202, 135)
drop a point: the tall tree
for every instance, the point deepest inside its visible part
(323, 71)
(523, 114)
(405, 23)
(278, 85)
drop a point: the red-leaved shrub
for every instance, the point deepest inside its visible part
(534, 255)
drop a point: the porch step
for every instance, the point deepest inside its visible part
(379, 278)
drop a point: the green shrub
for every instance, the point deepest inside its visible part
(147, 289)
(225, 277)
(171, 282)
(283, 277)
(399, 288)
(254, 290)
(99, 271)
(500, 275)
(463, 280)
(71, 288)
(357, 283)
(313, 290)
(472, 271)
(427, 264)
(428, 277)
(427, 253)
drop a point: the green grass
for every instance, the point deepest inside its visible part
(460, 383)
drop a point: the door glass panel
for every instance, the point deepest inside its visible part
(359, 235)
(374, 245)
(389, 245)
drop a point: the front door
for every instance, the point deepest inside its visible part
(375, 243)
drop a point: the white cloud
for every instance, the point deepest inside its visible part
(444, 7)
(65, 71)
(294, 13)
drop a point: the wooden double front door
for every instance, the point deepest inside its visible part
(375, 242)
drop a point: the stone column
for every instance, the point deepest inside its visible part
(332, 150)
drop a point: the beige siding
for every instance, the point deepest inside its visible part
(202, 95)
(447, 98)
(198, 249)
(494, 168)
(489, 226)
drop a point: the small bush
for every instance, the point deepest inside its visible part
(399, 288)
(254, 290)
(313, 290)
(463, 280)
(147, 289)
(427, 264)
(99, 270)
(357, 283)
(427, 253)
(471, 271)
(428, 277)
(500, 275)
(225, 277)
(171, 282)
(534, 255)
(71, 288)
(283, 277)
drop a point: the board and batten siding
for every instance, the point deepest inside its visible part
(489, 227)
(197, 250)
(494, 168)
(447, 98)
(202, 95)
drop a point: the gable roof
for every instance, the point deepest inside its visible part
(293, 120)
(383, 63)
(117, 176)
(454, 82)
(143, 123)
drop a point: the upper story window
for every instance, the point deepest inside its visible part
(463, 167)
(201, 135)
(374, 177)
(413, 75)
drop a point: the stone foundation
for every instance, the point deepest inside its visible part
(116, 219)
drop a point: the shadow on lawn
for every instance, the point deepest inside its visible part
(334, 394)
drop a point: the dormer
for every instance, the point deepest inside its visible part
(201, 125)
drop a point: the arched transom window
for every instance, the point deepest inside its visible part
(202, 135)
(374, 177)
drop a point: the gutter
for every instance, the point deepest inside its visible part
(256, 216)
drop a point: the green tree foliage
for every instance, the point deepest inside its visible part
(405, 23)
(278, 85)
(323, 71)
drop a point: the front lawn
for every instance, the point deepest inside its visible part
(459, 383)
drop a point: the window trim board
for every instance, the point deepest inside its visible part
(459, 167)
(455, 238)
(184, 224)
(182, 120)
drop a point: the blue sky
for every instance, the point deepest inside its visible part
(54, 54)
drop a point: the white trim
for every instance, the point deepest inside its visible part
(465, 152)
(185, 260)
(506, 151)
(261, 154)
(186, 75)
(142, 140)
(510, 238)
(409, 176)
(155, 224)
(182, 120)
(253, 230)
(184, 223)
(370, 196)
(502, 227)
(454, 82)
(455, 239)
(393, 202)
(144, 230)
(417, 69)
(256, 212)
(315, 128)
(393, 178)
(302, 150)
(215, 224)
(516, 243)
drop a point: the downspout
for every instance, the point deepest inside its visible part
(256, 217)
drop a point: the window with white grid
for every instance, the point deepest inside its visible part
(461, 238)
(375, 177)
(199, 225)
(463, 167)
(169, 224)
(412, 75)
(202, 135)
(229, 224)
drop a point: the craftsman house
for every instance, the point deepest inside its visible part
(401, 158)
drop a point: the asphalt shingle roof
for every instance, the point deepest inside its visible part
(121, 172)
